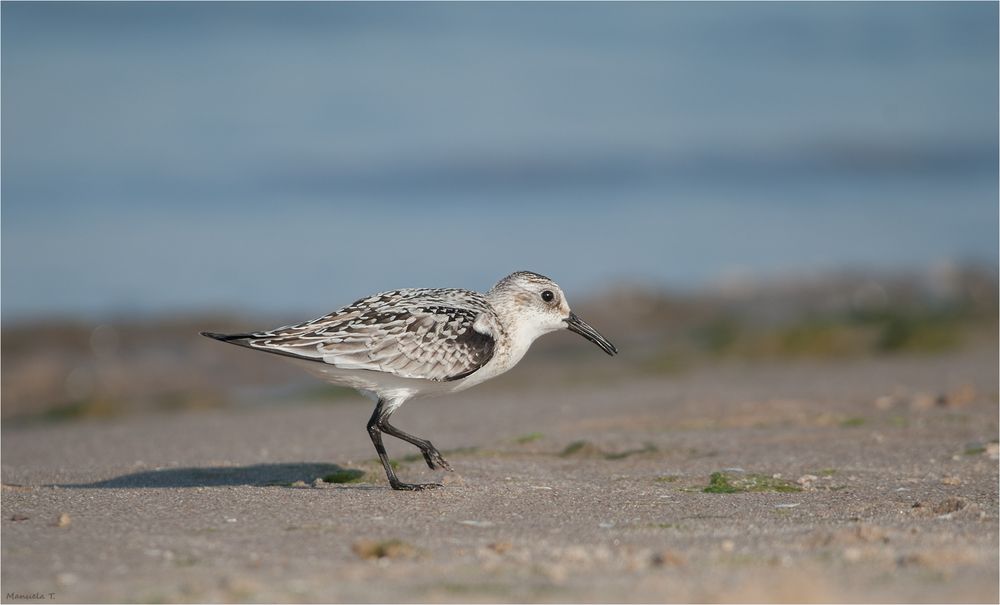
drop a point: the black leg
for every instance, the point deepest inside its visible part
(374, 431)
(431, 454)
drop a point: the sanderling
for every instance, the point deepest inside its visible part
(398, 345)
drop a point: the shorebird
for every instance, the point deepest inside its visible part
(415, 342)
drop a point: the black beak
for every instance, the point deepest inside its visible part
(582, 328)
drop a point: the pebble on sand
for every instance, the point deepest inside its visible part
(383, 549)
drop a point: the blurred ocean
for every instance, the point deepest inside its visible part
(169, 157)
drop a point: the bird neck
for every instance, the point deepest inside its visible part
(519, 329)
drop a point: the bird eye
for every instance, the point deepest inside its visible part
(547, 296)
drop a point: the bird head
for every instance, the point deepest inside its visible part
(540, 307)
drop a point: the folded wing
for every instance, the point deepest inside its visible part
(416, 333)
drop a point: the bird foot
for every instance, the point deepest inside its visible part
(435, 460)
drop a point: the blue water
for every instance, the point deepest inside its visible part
(267, 157)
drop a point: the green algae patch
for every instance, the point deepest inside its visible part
(647, 448)
(528, 438)
(852, 422)
(726, 483)
(581, 448)
(586, 449)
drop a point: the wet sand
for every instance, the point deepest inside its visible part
(878, 482)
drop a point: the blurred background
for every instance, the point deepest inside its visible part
(710, 183)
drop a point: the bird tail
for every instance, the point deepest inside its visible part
(242, 340)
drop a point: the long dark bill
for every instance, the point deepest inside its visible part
(583, 329)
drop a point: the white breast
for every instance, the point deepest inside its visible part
(508, 353)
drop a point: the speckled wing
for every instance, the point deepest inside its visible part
(432, 334)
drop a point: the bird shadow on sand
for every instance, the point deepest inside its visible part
(282, 475)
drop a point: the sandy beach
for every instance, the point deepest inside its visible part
(865, 480)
